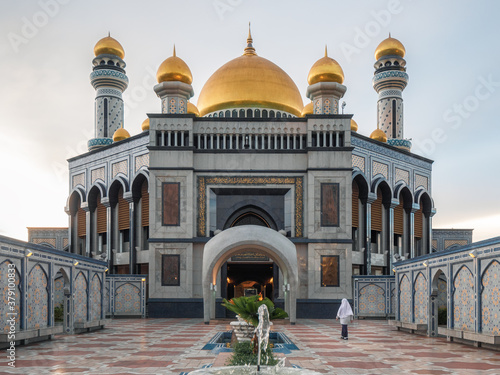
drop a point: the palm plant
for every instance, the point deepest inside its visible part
(247, 308)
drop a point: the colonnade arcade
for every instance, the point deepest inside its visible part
(388, 224)
(113, 221)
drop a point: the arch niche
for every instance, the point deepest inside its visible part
(260, 239)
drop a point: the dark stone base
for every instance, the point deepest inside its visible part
(175, 308)
(318, 308)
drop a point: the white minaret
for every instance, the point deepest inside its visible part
(110, 81)
(389, 80)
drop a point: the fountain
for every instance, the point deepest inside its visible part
(262, 332)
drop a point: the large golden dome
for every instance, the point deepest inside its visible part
(250, 81)
(174, 69)
(109, 46)
(390, 46)
(326, 69)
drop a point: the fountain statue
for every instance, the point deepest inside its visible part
(262, 332)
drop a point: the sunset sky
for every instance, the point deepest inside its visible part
(47, 102)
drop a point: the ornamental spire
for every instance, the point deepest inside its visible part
(174, 49)
(326, 51)
(249, 50)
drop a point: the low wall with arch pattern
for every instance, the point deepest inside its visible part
(374, 296)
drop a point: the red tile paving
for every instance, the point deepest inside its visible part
(172, 346)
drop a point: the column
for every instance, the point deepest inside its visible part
(109, 239)
(368, 253)
(393, 204)
(85, 207)
(132, 239)
(412, 231)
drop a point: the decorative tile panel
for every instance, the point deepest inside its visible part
(402, 175)
(358, 161)
(434, 244)
(65, 242)
(37, 298)
(78, 179)
(120, 167)
(490, 299)
(95, 298)
(421, 181)
(420, 300)
(58, 291)
(449, 243)
(371, 300)
(405, 300)
(80, 298)
(380, 168)
(141, 161)
(393, 301)
(463, 300)
(127, 300)
(50, 241)
(442, 293)
(97, 174)
(4, 307)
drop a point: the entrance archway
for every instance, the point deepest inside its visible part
(261, 240)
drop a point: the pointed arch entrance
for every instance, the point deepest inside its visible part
(260, 240)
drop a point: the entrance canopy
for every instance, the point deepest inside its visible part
(259, 239)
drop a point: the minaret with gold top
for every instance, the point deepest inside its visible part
(110, 81)
(325, 86)
(389, 80)
(174, 85)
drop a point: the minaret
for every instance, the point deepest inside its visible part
(390, 79)
(325, 86)
(109, 80)
(174, 85)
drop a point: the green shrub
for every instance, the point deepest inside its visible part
(442, 316)
(244, 355)
(59, 313)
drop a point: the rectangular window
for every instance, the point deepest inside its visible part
(330, 205)
(330, 270)
(170, 270)
(171, 201)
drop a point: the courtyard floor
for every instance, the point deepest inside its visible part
(173, 346)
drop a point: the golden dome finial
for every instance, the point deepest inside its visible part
(390, 46)
(249, 50)
(326, 51)
(174, 51)
(174, 69)
(120, 134)
(109, 46)
(325, 69)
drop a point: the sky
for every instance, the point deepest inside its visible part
(47, 102)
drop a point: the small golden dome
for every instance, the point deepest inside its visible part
(308, 109)
(193, 109)
(325, 69)
(379, 135)
(109, 46)
(174, 69)
(390, 46)
(120, 135)
(250, 81)
(354, 126)
(145, 125)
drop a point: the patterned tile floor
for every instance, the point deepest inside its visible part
(173, 346)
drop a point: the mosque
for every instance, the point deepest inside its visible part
(249, 191)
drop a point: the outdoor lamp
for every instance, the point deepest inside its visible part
(426, 264)
(473, 253)
(29, 254)
(75, 263)
(143, 279)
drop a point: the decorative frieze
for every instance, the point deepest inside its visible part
(97, 174)
(120, 167)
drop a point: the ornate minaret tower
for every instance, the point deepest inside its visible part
(325, 86)
(174, 85)
(390, 79)
(109, 80)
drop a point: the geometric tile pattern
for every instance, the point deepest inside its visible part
(97, 174)
(448, 243)
(95, 298)
(65, 242)
(128, 299)
(106, 300)
(490, 299)
(420, 299)
(141, 161)
(463, 300)
(79, 179)
(393, 301)
(434, 244)
(50, 241)
(421, 181)
(4, 306)
(173, 347)
(380, 168)
(37, 298)
(120, 167)
(80, 298)
(402, 175)
(442, 292)
(371, 300)
(58, 291)
(405, 300)
(358, 161)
